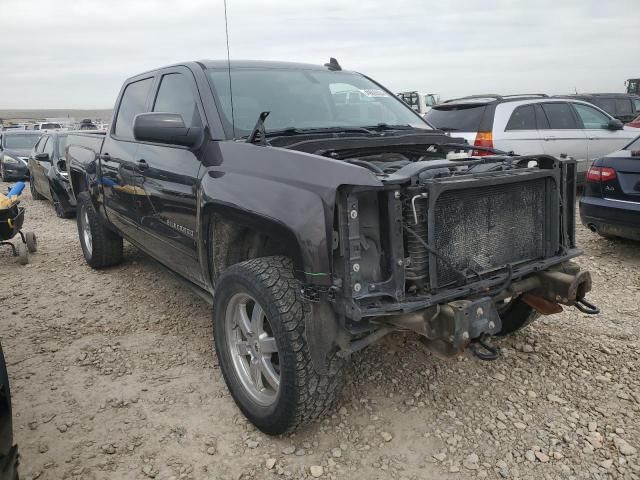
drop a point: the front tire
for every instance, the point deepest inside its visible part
(61, 212)
(101, 247)
(259, 324)
(23, 253)
(515, 315)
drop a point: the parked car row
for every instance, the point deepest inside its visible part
(50, 126)
(41, 159)
(530, 124)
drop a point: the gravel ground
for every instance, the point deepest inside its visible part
(114, 377)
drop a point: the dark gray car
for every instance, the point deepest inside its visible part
(15, 148)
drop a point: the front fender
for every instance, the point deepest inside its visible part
(292, 192)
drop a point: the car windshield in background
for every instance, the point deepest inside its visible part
(20, 142)
(62, 142)
(456, 118)
(304, 99)
(49, 126)
(635, 145)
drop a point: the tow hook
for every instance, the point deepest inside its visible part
(586, 307)
(483, 350)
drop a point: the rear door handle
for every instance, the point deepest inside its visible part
(142, 164)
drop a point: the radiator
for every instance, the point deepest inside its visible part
(485, 228)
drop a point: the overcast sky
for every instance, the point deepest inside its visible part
(76, 53)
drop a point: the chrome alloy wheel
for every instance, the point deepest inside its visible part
(86, 230)
(253, 348)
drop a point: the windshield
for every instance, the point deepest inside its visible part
(635, 145)
(20, 142)
(48, 126)
(461, 118)
(306, 99)
(62, 142)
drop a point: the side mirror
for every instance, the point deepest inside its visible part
(615, 124)
(43, 157)
(166, 128)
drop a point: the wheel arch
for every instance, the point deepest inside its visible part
(232, 235)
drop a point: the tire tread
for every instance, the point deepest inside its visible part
(106, 245)
(315, 393)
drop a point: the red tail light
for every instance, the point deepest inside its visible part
(483, 139)
(601, 174)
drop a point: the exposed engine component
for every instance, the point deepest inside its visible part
(417, 261)
(387, 162)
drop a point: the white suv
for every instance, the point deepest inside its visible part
(531, 124)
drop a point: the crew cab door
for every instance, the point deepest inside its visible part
(118, 167)
(561, 133)
(168, 177)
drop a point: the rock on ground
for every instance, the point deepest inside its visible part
(114, 375)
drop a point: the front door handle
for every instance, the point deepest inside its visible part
(142, 164)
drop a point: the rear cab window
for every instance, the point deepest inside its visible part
(457, 117)
(133, 102)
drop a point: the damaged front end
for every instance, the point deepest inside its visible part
(446, 243)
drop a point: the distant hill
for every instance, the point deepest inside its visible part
(104, 114)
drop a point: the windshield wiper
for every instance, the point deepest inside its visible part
(386, 127)
(258, 129)
(448, 129)
(306, 131)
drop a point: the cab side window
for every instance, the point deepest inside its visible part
(522, 118)
(40, 145)
(591, 118)
(48, 146)
(175, 95)
(133, 102)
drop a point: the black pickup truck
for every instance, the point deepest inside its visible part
(317, 222)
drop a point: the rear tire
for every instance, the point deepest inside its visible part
(34, 193)
(101, 247)
(515, 315)
(302, 395)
